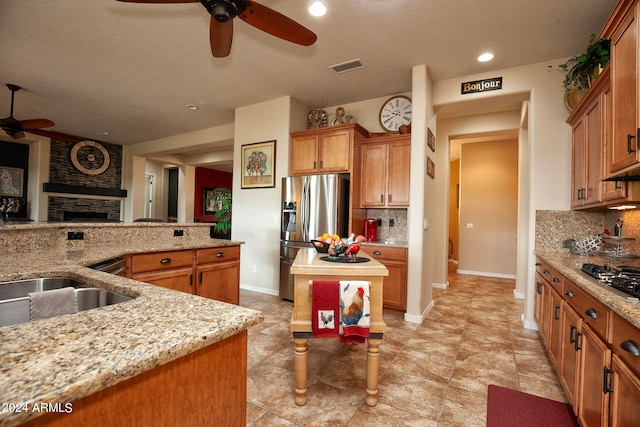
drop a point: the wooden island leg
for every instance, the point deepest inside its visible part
(301, 370)
(373, 364)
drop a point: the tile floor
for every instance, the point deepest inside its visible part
(431, 374)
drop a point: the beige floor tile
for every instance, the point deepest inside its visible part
(431, 374)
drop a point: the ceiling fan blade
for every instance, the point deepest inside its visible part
(221, 36)
(159, 1)
(276, 24)
(36, 124)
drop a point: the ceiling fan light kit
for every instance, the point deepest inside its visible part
(261, 17)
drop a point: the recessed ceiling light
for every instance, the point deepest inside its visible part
(485, 57)
(102, 133)
(192, 107)
(317, 8)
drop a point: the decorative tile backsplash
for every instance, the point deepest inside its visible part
(399, 231)
(554, 227)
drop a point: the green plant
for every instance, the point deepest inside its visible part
(223, 214)
(580, 68)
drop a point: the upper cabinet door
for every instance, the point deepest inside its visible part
(304, 155)
(374, 175)
(399, 173)
(334, 149)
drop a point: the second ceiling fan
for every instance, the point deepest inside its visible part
(266, 19)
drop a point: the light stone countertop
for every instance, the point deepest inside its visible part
(569, 266)
(63, 359)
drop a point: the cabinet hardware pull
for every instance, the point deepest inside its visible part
(606, 384)
(200, 277)
(377, 253)
(321, 165)
(191, 280)
(314, 164)
(165, 260)
(577, 341)
(539, 288)
(591, 313)
(629, 138)
(555, 280)
(389, 199)
(630, 347)
(381, 198)
(545, 271)
(555, 312)
(572, 329)
(569, 293)
(537, 264)
(220, 254)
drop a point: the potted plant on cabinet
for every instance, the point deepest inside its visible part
(582, 70)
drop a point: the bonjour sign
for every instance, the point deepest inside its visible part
(476, 86)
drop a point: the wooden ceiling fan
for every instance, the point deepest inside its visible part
(15, 128)
(266, 19)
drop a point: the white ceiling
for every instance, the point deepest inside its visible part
(129, 69)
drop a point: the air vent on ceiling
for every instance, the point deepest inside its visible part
(343, 67)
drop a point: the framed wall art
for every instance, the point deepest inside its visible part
(258, 165)
(431, 167)
(431, 140)
(11, 181)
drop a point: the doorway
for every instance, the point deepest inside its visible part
(484, 204)
(149, 207)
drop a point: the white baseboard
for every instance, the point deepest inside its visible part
(260, 290)
(440, 285)
(528, 324)
(518, 295)
(418, 319)
(486, 274)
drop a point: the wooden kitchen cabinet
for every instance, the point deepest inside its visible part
(218, 272)
(211, 273)
(570, 354)
(593, 402)
(172, 270)
(625, 373)
(385, 165)
(324, 150)
(394, 287)
(622, 29)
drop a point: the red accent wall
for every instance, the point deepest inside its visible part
(212, 179)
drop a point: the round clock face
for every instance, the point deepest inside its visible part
(90, 157)
(395, 112)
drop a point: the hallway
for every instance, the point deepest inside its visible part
(431, 374)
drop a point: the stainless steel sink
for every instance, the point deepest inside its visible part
(14, 296)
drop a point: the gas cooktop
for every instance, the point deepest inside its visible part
(624, 278)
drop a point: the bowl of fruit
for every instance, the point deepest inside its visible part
(324, 242)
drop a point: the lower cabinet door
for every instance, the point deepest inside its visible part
(625, 411)
(571, 339)
(593, 404)
(178, 280)
(220, 281)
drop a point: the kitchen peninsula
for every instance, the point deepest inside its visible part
(164, 357)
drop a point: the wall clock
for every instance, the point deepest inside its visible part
(90, 157)
(395, 112)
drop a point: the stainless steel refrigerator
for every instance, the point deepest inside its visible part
(311, 205)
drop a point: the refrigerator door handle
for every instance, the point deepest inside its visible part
(304, 211)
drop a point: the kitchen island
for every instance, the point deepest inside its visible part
(162, 358)
(307, 267)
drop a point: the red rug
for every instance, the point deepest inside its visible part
(512, 408)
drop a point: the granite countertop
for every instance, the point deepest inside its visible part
(63, 359)
(569, 266)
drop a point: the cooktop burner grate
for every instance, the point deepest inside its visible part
(624, 278)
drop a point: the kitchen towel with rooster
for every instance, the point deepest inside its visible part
(325, 308)
(355, 309)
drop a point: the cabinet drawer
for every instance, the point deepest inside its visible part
(158, 261)
(592, 312)
(222, 254)
(386, 253)
(550, 274)
(626, 342)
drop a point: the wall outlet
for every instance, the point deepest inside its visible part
(392, 222)
(379, 222)
(75, 235)
(255, 268)
(178, 233)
